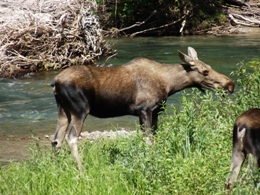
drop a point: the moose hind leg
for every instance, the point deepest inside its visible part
(238, 155)
(237, 161)
(64, 119)
(73, 136)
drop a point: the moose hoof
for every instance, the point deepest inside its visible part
(56, 145)
(228, 186)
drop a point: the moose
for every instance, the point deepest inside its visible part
(246, 140)
(137, 88)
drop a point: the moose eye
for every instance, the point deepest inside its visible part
(205, 73)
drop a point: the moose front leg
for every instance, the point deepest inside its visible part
(155, 116)
(145, 120)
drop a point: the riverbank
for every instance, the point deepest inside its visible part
(27, 105)
(16, 149)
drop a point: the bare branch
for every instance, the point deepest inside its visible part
(138, 23)
(159, 27)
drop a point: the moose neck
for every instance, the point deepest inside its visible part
(177, 77)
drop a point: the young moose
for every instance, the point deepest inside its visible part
(246, 140)
(137, 88)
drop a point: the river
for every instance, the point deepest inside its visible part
(27, 105)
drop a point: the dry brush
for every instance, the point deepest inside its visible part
(50, 35)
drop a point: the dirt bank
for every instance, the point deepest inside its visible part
(17, 148)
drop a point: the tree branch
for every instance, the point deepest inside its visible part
(159, 27)
(138, 23)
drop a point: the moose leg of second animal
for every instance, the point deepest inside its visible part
(238, 156)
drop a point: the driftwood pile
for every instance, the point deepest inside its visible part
(50, 34)
(247, 15)
(240, 16)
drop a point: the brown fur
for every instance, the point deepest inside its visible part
(250, 118)
(137, 88)
(246, 140)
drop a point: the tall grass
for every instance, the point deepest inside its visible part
(191, 155)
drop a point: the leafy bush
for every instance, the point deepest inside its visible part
(200, 15)
(191, 156)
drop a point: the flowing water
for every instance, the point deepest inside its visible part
(27, 105)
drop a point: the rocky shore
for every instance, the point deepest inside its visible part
(106, 134)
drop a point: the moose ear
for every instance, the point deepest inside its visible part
(186, 58)
(192, 53)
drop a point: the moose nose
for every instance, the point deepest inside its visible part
(230, 87)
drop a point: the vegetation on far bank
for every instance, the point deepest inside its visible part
(166, 17)
(47, 35)
(191, 156)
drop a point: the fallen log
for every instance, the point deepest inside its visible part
(240, 23)
(246, 19)
(236, 2)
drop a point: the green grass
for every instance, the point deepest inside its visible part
(191, 156)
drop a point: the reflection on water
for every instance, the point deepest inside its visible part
(27, 104)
